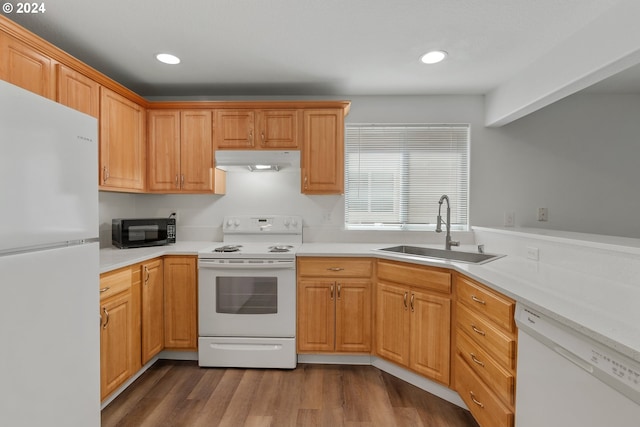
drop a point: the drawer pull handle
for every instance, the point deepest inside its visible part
(476, 401)
(103, 290)
(478, 331)
(335, 268)
(478, 300)
(475, 359)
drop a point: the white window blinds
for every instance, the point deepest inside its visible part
(395, 175)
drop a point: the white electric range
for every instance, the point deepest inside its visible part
(247, 294)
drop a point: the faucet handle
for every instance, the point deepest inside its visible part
(454, 243)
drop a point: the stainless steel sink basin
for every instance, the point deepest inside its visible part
(459, 256)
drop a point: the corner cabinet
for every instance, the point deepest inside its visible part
(323, 151)
(413, 317)
(152, 308)
(122, 143)
(180, 151)
(334, 305)
(485, 362)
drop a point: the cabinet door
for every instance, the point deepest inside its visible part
(316, 316)
(196, 157)
(392, 323)
(122, 151)
(323, 152)
(180, 303)
(115, 342)
(235, 129)
(77, 91)
(430, 335)
(278, 129)
(353, 316)
(152, 309)
(164, 150)
(24, 66)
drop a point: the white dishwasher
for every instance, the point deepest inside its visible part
(567, 379)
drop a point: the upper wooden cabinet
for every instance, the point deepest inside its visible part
(26, 67)
(77, 91)
(257, 129)
(181, 152)
(122, 147)
(323, 152)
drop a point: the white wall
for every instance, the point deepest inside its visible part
(578, 158)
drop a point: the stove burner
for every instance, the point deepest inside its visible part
(228, 248)
(280, 248)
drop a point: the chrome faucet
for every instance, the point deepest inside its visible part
(447, 241)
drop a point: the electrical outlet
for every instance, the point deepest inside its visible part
(533, 253)
(509, 219)
(175, 211)
(543, 214)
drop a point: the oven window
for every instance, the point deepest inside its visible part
(247, 295)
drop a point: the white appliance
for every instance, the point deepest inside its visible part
(49, 264)
(247, 294)
(567, 379)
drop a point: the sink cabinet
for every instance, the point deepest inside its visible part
(334, 305)
(413, 317)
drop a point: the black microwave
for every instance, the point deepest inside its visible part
(138, 233)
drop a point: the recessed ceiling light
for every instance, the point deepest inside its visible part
(167, 58)
(433, 57)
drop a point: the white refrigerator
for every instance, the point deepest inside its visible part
(49, 263)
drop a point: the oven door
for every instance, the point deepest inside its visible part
(247, 298)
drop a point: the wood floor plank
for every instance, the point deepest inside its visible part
(180, 394)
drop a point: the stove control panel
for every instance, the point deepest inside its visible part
(271, 224)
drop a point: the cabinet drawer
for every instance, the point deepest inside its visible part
(501, 345)
(485, 406)
(496, 307)
(499, 379)
(115, 282)
(411, 274)
(335, 267)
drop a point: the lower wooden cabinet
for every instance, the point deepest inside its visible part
(334, 305)
(413, 322)
(118, 358)
(152, 308)
(485, 348)
(180, 303)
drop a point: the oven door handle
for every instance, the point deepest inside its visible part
(278, 265)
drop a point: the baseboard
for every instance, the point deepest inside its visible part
(419, 381)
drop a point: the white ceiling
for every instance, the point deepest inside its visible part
(313, 47)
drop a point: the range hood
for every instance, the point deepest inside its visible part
(257, 160)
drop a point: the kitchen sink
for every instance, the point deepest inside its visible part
(459, 256)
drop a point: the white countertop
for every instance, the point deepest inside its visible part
(605, 310)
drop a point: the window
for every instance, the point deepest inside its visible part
(395, 175)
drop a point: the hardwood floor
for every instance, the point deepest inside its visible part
(178, 393)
